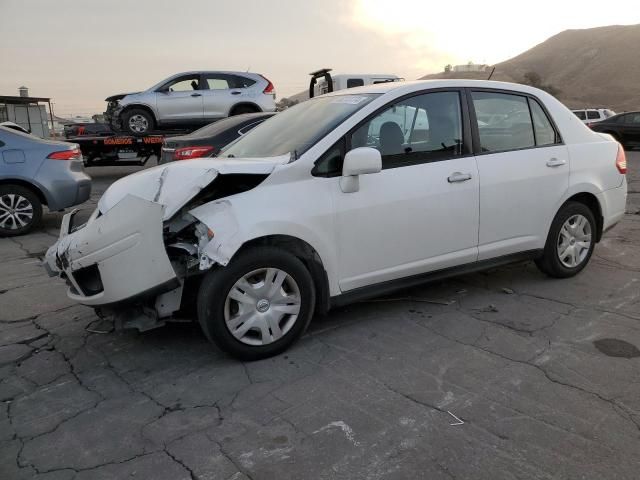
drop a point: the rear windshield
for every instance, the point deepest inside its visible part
(222, 126)
(298, 128)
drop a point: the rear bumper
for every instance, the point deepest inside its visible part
(64, 182)
(115, 257)
(614, 204)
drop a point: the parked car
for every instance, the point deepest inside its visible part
(593, 115)
(190, 99)
(36, 172)
(14, 126)
(89, 129)
(209, 140)
(624, 127)
(343, 197)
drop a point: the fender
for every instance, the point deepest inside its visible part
(226, 235)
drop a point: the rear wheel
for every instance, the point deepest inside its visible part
(570, 242)
(258, 305)
(20, 210)
(241, 109)
(138, 121)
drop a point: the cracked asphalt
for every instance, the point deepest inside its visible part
(374, 390)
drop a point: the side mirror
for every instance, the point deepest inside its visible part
(359, 161)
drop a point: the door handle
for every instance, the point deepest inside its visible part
(458, 177)
(555, 162)
(196, 95)
(236, 92)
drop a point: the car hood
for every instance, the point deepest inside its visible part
(119, 96)
(173, 185)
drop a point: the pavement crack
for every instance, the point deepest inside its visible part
(627, 416)
(230, 458)
(192, 474)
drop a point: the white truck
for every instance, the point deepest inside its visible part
(323, 82)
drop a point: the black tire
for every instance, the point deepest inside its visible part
(22, 198)
(551, 263)
(242, 109)
(146, 123)
(217, 284)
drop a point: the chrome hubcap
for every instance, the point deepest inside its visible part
(138, 123)
(262, 306)
(15, 211)
(574, 241)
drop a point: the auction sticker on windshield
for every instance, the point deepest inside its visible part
(350, 99)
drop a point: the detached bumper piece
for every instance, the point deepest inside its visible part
(114, 257)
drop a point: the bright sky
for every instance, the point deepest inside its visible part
(79, 51)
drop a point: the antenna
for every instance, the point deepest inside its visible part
(491, 74)
(248, 68)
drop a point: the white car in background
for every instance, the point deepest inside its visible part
(593, 115)
(190, 99)
(347, 196)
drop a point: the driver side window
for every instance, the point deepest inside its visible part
(183, 84)
(420, 129)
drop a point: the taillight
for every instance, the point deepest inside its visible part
(621, 160)
(72, 154)
(270, 88)
(187, 153)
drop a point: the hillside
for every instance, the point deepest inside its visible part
(590, 67)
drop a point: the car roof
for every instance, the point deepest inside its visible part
(229, 72)
(417, 85)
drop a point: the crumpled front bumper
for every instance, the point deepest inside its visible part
(112, 115)
(114, 257)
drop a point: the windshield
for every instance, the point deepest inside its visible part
(298, 128)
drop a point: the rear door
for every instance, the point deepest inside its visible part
(524, 171)
(180, 100)
(223, 91)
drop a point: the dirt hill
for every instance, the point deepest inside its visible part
(593, 67)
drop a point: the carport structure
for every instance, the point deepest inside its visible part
(28, 112)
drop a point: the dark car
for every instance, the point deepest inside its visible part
(209, 140)
(36, 172)
(624, 127)
(92, 129)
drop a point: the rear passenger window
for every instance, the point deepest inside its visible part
(581, 115)
(504, 121)
(545, 133)
(593, 115)
(355, 82)
(237, 81)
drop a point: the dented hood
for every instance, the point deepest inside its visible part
(173, 185)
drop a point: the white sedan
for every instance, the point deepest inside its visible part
(342, 197)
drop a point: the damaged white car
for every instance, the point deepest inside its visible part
(342, 197)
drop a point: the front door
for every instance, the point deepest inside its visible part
(524, 172)
(180, 100)
(420, 213)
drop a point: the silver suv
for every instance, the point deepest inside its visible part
(190, 99)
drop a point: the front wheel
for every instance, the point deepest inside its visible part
(258, 305)
(138, 121)
(570, 242)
